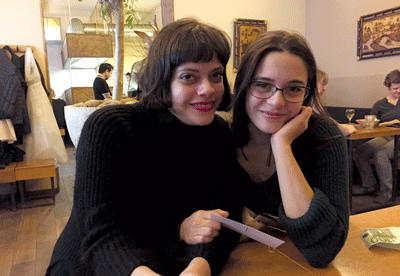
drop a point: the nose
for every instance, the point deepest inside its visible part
(206, 88)
(277, 99)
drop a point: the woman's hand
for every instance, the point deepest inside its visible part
(295, 191)
(200, 228)
(293, 128)
(143, 271)
(395, 121)
(347, 129)
(197, 267)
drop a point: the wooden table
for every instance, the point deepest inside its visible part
(366, 134)
(256, 259)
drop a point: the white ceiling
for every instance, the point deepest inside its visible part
(86, 7)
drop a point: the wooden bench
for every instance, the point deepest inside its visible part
(7, 175)
(36, 169)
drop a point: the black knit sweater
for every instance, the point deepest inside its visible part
(139, 174)
(322, 156)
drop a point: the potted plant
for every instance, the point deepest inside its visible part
(76, 116)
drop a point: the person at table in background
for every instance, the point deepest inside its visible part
(184, 169)
(126, 86)
(100, 87)
(380, 149)
(296, 160)
(322, 82)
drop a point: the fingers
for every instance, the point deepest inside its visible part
(219, 212)
(306, 111)
(205, 235)
(200, 228)
(293, 128)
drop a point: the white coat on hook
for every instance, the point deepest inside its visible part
(45, 140)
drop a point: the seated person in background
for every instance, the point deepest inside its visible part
(322, 82)
(100, 86)
(131, 202)
(380, 149)
(296, 160)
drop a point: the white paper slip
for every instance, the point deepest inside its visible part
(249, 231)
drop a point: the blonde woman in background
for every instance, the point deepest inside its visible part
(322, 82)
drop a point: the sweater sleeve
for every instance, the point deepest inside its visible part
(322, 231)
(128, 211)
(103, 205)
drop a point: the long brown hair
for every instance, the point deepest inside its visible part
(274, 41)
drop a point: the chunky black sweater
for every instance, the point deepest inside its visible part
(139, 174)
(322, 156)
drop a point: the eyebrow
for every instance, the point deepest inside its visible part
(190, 69)
(271, 80)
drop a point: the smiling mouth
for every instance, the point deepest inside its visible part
(272, 115)
(203, 106)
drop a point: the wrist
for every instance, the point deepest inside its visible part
(279, 145)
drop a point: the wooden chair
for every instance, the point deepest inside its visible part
(36, 169)
(7, 175)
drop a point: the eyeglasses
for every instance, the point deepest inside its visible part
(291, 94)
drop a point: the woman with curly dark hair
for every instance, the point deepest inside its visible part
(146, 172)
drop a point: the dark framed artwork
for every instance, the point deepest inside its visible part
(245, 31)
(379, 34)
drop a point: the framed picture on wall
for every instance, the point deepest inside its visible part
(379, 34)
(245, 31)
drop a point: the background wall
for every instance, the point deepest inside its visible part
(331, 29)
(329, 26)
(22, 24)
(279, 14)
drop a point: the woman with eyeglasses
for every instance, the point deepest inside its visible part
(296, 160)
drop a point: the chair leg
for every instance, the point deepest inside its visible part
(57, 180)
(53, 190)
(21, 188)
(12, 194)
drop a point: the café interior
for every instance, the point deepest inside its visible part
(69, 40)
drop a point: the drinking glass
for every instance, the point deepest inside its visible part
(369, 121)
(350, 114)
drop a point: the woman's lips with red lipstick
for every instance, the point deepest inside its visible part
(203, 106)
(272, 115)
